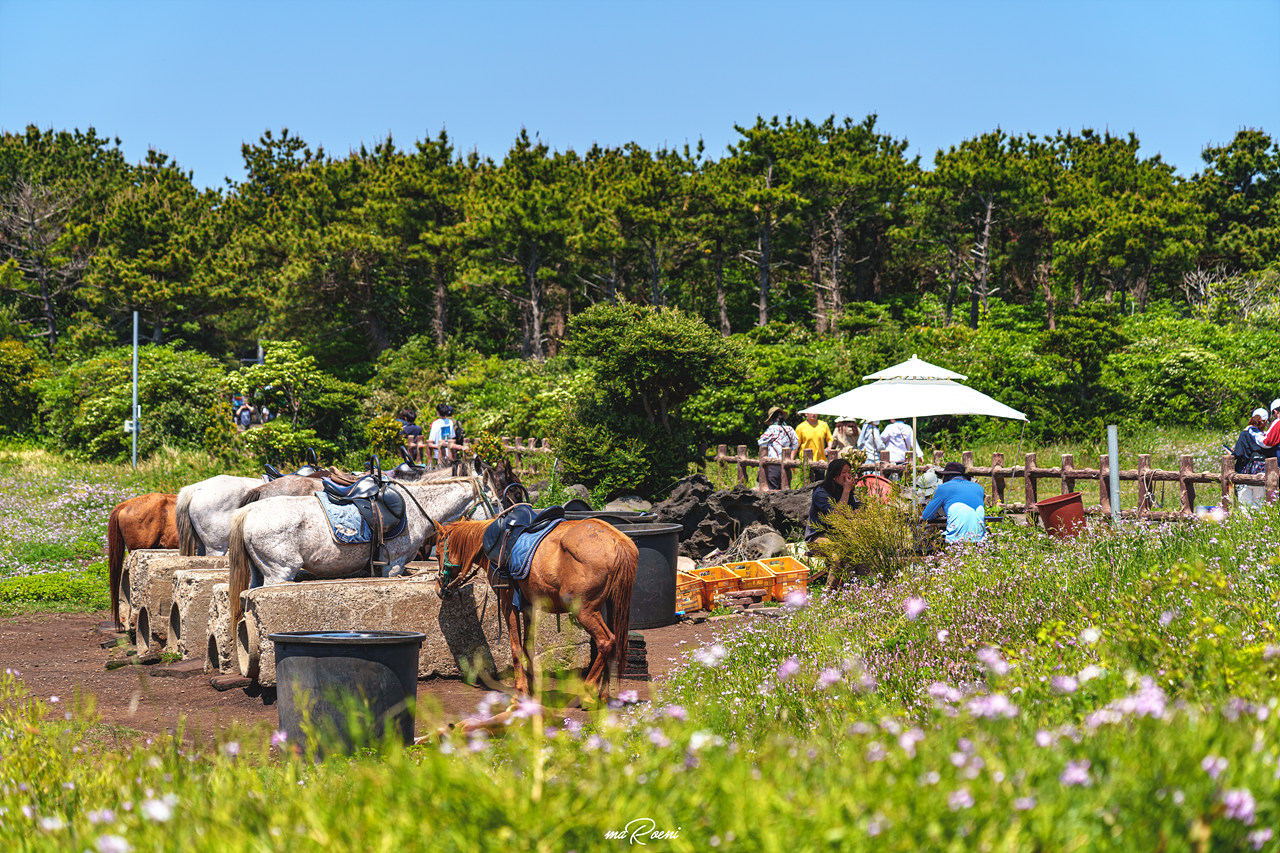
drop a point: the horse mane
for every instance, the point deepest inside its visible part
(463, 540)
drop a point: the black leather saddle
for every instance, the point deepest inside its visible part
(379, 503)
(501, 534)
(408, 469)
(310, 469)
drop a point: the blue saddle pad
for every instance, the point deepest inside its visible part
(522, 552)
(348, 526)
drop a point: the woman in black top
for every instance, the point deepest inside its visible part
(836, 488)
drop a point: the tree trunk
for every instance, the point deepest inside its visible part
(722, 304)
(611, 287)
(440, 323)
(982, 255)
(953, 290)
(816, 268)
(836, 298)
(533, 341)
(1046, 285)
(765, 249)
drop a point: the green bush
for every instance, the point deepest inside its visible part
(279, 443)
(84, 405)
(383, 436)
(19, 367)
(79, 591)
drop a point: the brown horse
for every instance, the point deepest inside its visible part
(146, 521)
(580, 567)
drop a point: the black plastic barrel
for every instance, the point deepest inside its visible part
(619, 516)
(347, 686)
(653, 599)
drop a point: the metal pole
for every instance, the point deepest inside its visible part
(135, 390)
(912, 450)
(1113, 459)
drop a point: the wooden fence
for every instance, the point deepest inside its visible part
(518, 448)
(1066, 474)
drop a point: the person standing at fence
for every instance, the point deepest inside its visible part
(442, 432)
(412, 433)
(1271, 442)
(814, 435)
(899, 440)
(778, 441)
(961, 502)
(1250, 457)
(846, 433)
(870, 441)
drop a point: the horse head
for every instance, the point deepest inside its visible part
(503, 482)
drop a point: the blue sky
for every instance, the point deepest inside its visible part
(197, 79)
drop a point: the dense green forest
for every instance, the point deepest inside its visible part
(1070, 275)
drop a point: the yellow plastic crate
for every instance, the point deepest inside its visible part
(716, 580)
(688, 592)
(788, 574)
(754, 574)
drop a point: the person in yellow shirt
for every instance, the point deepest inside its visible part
(814, 435)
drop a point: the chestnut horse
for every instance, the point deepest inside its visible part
(146, 521)
(580, 567)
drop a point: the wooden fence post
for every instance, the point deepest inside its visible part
(1104, 484)
(742, 465)
(966, 459)
(1029, 482)
(1271, 479)
(939, 458)
(1228, 468)
(1068, 482)
(1144, 488)
(997, 480)
(1186, 488)
(721, 452)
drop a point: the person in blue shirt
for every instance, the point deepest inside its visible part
(961, 502)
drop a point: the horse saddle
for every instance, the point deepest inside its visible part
(381, 504)
(307, 470)
(502, 533)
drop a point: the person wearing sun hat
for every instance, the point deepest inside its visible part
(961, 502)
(1271, 442)
(1251, 458)
(778, 441)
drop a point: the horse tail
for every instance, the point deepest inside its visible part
(187, 539)
(115, 560)
(240, 567)
(622, 580)
(251, 496)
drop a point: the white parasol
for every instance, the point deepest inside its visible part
(913, 389)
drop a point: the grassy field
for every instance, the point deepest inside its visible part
(1115, 692)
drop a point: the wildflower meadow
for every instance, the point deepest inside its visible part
(1113, 692)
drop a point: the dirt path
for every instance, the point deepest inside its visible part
(63, 655)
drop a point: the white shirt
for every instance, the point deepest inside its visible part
(898, 440)
(442, 430)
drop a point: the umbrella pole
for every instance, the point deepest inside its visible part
(912, 450)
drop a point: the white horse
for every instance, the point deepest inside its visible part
(203, 513)
(204, 509)
(271, 541)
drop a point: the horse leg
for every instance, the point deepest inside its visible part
(512, 618)
(603, 641)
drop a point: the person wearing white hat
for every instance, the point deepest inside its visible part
(1251, 457)
(1272, 440)
(846, 434)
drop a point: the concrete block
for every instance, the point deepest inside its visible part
(219, 649)
(133, 574)
(152, 593)
(463, 634)
(189, 612)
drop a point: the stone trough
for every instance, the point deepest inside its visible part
(189, 614)
(151, 593)
(135, 568)
(463, 635)
(219, 654)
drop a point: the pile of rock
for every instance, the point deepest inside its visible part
(714, 520)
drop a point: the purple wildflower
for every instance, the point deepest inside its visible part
(993, 660)
(1064, 684)
(914, 607)
(788, 668)
(960, 799)
(828, 677)
(1076, 773)
(1240, 805)
(1213, 765)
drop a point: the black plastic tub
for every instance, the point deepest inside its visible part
(653, 599)
(621, 516)
(350, 687)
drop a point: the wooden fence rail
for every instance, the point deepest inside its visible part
(1066, 474)
(518, 447)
